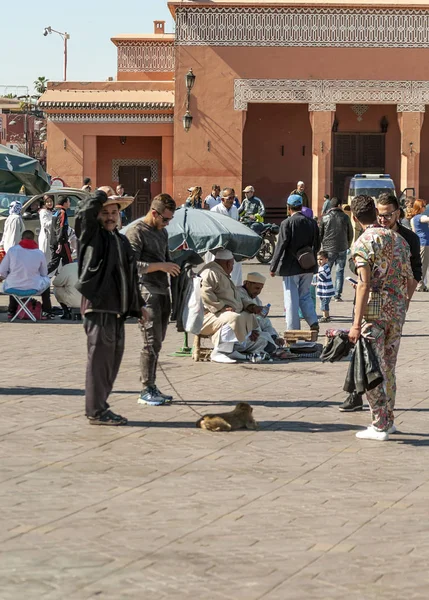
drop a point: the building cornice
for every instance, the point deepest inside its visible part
(70, 117)
(49, 105)
(293, 26)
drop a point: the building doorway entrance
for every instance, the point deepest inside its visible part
(136, 180)
(356, 153)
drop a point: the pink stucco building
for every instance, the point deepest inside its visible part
(284, 90)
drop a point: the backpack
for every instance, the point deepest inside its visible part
(35, 307)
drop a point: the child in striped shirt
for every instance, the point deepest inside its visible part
(325, 289)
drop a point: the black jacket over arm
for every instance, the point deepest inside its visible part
(99, 258)
(295, 233)
(414, 244)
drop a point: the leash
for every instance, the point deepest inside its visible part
(165, 374)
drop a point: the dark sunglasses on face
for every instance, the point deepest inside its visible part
(164, 219)
(387, 216)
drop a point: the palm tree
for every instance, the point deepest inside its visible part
(40, 85)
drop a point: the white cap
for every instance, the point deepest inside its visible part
(255, 278)
(223, 255)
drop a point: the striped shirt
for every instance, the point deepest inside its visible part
(325, 288)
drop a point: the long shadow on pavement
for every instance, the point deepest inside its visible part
(297, 426)
(270, 403)
(41, 391)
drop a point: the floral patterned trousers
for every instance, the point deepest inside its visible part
(381, 399)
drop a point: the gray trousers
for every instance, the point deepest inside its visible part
(105, 339)
(159, 308)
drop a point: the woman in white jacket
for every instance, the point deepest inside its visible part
(13, 226)
(45, 216)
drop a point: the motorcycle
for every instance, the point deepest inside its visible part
(269, 237)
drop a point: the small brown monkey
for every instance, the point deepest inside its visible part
(239, 418)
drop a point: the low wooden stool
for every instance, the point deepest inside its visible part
(293, 335)
(201, 353)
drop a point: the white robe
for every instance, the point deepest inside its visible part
(13, 229)
(24, 269)
(264, 323)
(237, 272)
(64, 286)
(45, 217)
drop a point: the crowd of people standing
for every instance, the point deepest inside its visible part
(120, 276)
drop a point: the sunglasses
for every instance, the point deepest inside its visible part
(387, 216)
(164, 219)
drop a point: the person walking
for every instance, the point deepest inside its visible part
(60, 247)
(108, 282)
(13, 227)
(45, 216)
(195, 198)
(226, 207)
(300, 191)
(336, 236)
(420, 226)
(326, 204)
(382, 262)
(295, 260)
(389, 216)
(213, 199)
(149, 241)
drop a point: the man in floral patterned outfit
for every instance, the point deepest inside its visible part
(382, 262)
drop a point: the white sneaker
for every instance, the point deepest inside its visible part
(372, 434)
(220, 357)
(392, 429)
(236, 355)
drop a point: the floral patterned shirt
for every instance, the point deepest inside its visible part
(388, 256)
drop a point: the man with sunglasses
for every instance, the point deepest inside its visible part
(149, 240)
(388, 216)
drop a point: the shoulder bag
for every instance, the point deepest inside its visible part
(375, 300)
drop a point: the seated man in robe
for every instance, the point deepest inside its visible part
(228, 319)
(249, 292)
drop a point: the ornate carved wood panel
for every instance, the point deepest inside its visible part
(289, 26)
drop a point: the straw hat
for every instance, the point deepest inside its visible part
(122, 201)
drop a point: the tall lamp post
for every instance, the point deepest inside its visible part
(66, 37)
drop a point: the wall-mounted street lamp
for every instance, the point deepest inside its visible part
(187, 121)
(65, 36)
(187, 117)
(190, 80)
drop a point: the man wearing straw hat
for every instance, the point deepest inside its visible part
(108, 283)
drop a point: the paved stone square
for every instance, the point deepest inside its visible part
(298, 510)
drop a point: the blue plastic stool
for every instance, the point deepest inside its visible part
(23, 297)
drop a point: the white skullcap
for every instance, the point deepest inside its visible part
(255, 278)
(224, 255)
(300, 183)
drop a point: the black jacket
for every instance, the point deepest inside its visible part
(414, 244)
(295, 232)
(336, 231)
(99, 260)
(60, 227)
(181, 283)
(364, 370)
